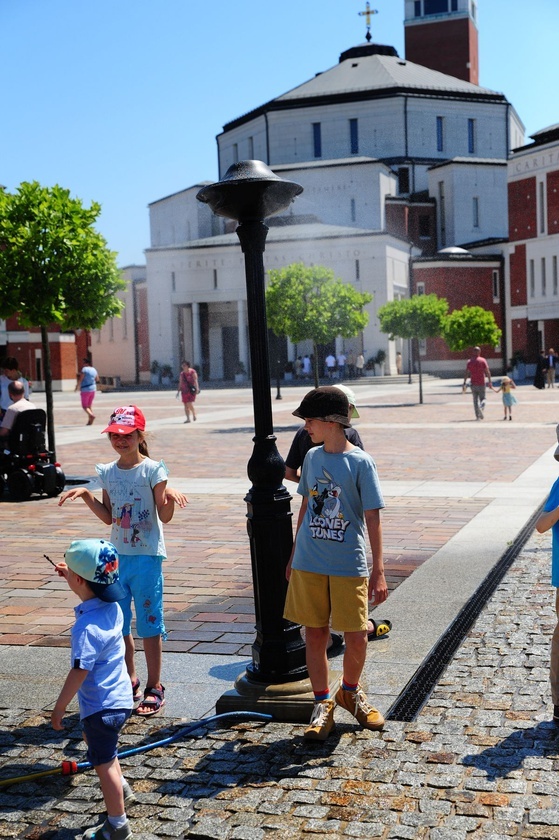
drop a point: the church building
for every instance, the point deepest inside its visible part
(399, 158)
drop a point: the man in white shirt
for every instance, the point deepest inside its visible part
(341, 365)
(16, 391)
(330, 362)
(10, 373)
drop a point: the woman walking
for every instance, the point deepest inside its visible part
(188, 389)
(87, 379)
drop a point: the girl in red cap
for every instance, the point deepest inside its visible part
(136, 501)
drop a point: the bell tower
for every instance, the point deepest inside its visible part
(442, 35)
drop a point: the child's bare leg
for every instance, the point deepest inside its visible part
(129, 650)
(316, 640)
(354, 655)
(110, 777)
(153, 649)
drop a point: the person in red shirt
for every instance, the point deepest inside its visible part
(478, 371)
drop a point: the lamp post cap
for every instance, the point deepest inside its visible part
(249, 170)
(249, 191)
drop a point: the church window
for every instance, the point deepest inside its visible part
(541, 205)
(420, 289)
(532, 279)
(251, 148)
(215, 278)
(353, 137)
(173, 282)
(353, 211)
(403, 180)
(442, 213)
(471, 136)
(440, 134)
(357, 270)
(436, 7)
(554, 276)
(475, 211)
(317, 139)
(544, 278)
(424, 224)
(496, 292)
(235, 153)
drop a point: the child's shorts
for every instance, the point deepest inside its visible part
(313, 599)
(101, 732)
(142, 579)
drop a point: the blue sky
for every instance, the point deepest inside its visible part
(120, 100)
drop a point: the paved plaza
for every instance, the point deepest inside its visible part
(475, 762)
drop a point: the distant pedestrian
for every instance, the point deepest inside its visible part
(478, 371)
(551, 362)
(298, 367)
(330, 363)
(398, 363)
(541, 371)
(188, 389)
(506, 387)
(550, 519)
(359, 364)
(341, 360)
(306, 367)
(10, 373)
(351, 364)
(98, 674)
(87, 386)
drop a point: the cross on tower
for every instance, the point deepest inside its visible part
(367, 14)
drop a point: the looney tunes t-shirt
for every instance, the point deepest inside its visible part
(339, 487)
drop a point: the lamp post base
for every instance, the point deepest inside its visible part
(288, 702)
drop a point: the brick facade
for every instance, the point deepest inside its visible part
(449, 46)
(522, 209)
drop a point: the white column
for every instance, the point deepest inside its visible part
(196, 339)
(241, 323)
(290, 350)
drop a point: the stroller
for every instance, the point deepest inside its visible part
(26, 465)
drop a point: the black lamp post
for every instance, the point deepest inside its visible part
(249, 193)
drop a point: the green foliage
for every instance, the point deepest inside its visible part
(470, 326)
(310, 303)
(55, 268)
(421, 316)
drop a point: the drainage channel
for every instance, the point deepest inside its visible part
(417, 691)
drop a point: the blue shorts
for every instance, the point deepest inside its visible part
(101, 731)
(142, 579)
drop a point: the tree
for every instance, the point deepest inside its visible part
(415, 318)
(311, 303)
(55, 268)
(469, 327)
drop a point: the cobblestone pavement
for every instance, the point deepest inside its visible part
(480, 760)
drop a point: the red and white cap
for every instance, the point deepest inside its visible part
(125, 420)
